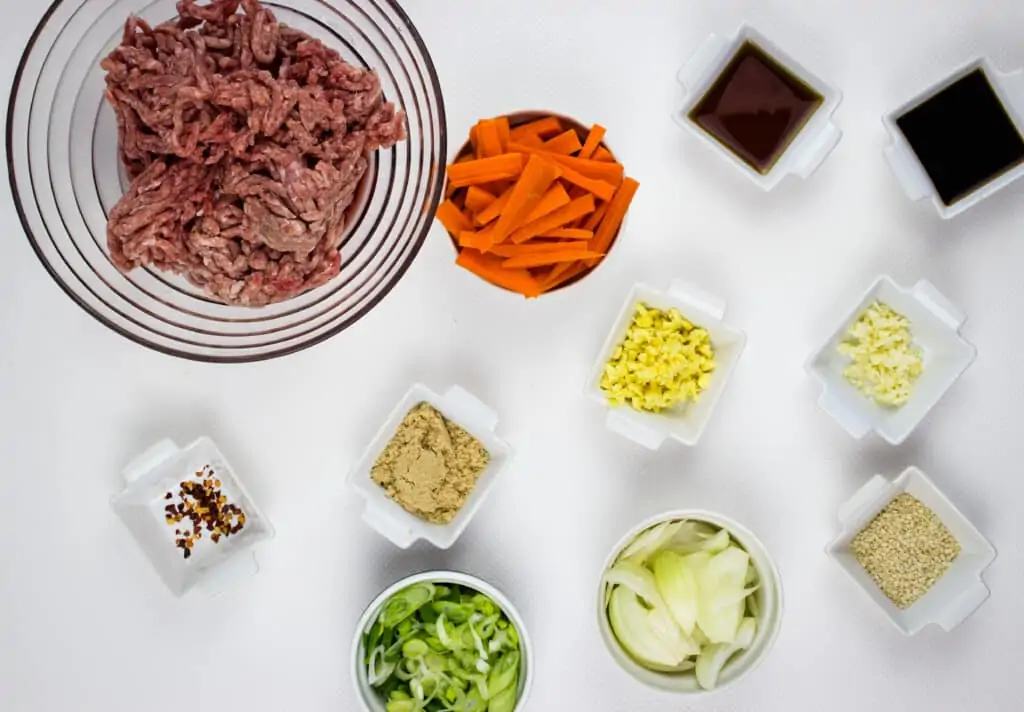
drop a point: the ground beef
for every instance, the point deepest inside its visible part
(245, 141)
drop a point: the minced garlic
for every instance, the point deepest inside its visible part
(664, 360)
(885, 362)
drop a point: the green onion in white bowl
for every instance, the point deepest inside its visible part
(441, 642)
(689, 602)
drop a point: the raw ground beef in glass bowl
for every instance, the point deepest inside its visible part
(198, 297)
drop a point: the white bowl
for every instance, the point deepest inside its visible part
(161, 469)
(813, 142)
(958, 593)
(371, 701)
(935, 323)
(388, 517)
(769, 599)
(1009, 87)
(686, 422)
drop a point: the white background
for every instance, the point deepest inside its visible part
(86, 625)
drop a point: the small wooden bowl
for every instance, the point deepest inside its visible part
(518, 119)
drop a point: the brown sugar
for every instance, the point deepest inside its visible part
(430, 466)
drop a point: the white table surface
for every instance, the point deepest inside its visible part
(86, 625)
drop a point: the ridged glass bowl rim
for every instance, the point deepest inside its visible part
(417, 243)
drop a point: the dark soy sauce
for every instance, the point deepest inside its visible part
(756, 107)
(963, 137)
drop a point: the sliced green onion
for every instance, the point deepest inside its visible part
(443, 649)
(405, 603)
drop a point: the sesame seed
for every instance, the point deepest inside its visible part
(906, 549)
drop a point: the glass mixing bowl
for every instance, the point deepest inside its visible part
(65, 177)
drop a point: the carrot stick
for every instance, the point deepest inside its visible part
(503, 132)
(594, 139)
(548, 126)
(488, 139)
(491, 269)
(565, 143)
(562, 273)
(498, 187)
(542, 259)
(531, 140)
(599, 188)
(484, 170)
(478, 199)
(492, 211)
(603, 154)
(556, 219)
(478, 240)
(534, 248)
(617, 208)
(452, 218)
(538, 175)
(599, 170)
(595, 218)
(570, 234)
(555, 198)
(610, 173)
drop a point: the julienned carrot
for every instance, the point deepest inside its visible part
(488, 140)
(599, 188)
(569, 234)
(503, 132)
(452, 218)
(603, 154)
(555, 198)
(529, 140)
(548, 126)
(477, 199)
(617, 208)
(594, 139)
(543, 259)
(608, 172)
(537, 177)
(492, 211)
(562, 273)
(485, 170)
(478, 240)
(565, 143)
(595, 218)
(534, 248)
(558, 218)
(491, 269)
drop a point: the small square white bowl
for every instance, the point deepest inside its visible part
(686, 422)
(812, 144)
(961, 589)
(1009, 87)
(935, 324)
(385, 515)
(161, 469)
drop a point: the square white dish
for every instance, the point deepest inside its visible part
(385, 515)
(687, 422)
(160, 470)
(935, 324)
(1009, 87)
(961, 589)
(813, 142)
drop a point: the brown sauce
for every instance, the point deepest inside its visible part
(756, 107)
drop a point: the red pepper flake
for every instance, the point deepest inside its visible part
(205, 507)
